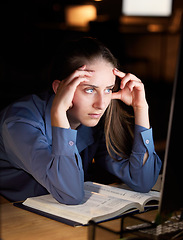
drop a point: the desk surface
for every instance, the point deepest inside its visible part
(21, 224)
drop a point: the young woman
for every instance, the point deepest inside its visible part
(48, 143)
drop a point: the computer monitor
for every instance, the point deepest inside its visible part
(172, 183)
(151, 8)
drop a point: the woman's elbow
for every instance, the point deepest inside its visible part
(74, 200)
(143, 188)
(145, 180)
(69, 199)
(144, 184)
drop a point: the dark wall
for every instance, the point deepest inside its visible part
(31, 33)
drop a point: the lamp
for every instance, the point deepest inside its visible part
(80, 15)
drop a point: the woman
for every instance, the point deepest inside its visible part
(48, 143)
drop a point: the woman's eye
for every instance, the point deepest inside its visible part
(109, 90)
(89, 90)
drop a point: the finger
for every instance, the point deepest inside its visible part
(129, 77)
(78, 74)
(125, 77)
(77, 81)
(119, 73)
(72, 83)
(116, 95)
(82, 73)
(84, 68)
(134, 84)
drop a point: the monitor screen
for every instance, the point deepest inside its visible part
(172, 184)
(152, 8)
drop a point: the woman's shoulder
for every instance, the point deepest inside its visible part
(30, 107)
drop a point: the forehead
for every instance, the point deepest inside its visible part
(102, 73)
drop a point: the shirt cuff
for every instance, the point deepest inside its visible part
(143, 140)
(63, 141)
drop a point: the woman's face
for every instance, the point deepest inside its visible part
(93, 97)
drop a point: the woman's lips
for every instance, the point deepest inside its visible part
(95, 115)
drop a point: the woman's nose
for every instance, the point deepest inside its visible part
(99, 102)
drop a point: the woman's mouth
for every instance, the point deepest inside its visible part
(95, 115)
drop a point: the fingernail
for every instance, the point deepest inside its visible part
(82, 67)
(122, 86)
(90, 72)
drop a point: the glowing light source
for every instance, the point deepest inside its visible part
(79, 16)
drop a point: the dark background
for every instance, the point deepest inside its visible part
(32, 30)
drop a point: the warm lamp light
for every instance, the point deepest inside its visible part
(79, 16)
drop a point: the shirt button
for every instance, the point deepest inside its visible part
(147, 141)
(71, 143)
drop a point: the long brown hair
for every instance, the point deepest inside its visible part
(118, 128)
(117, 121)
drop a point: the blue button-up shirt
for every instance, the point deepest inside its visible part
(37, 158)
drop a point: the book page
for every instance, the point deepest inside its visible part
(94, 206)
(141, 198)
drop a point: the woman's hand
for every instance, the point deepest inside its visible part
(132, 93)
(64, 94)
(131, 90)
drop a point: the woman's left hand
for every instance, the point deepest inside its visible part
(131, 91)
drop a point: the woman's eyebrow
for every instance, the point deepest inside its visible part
(94, 86)
(110, 86)
(90, 85)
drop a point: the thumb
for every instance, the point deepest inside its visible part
(116, 95)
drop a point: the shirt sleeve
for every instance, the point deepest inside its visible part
(138, 176)
(58, 167)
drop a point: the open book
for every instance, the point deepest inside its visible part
(101, 202)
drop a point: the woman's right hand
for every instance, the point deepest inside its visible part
(64, 94)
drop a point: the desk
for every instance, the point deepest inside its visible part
(19, 224)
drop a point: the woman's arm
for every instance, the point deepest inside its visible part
(54, 167)
(132, 93)
(141, 169)
(132, 171)
(64, 93)
(142, 119)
